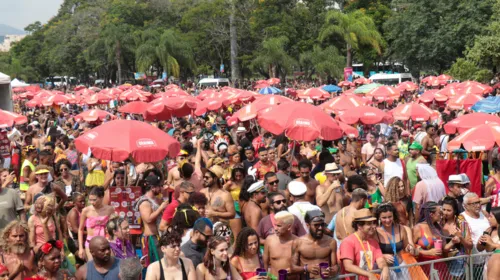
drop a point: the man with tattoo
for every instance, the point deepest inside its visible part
(278, 247)
(220, 203)
(313, 249)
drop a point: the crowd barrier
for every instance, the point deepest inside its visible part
(464, 267)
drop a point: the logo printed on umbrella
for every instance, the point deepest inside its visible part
(91, 135)
(370, 114)
(145, 142)
(302, 122)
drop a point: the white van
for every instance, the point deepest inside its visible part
(391, 79)
(217, 82)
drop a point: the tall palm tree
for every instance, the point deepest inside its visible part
(274, 57)
(116, 39)
(354, 28)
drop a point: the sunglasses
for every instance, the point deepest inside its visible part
(64, 169)
(274, 182)
(282, 201)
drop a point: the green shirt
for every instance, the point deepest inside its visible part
(411, 170)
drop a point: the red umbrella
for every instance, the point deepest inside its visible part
(444, 77)
(431, 95)
(251, 110)
(98, 98)
(19, 90)
(262, 85)
(8, 119)
(173, 93)
(84, 92)
(291, 92)
(361, 81)
(384, 93)
(135, 107)
(346, 84)
(206, 92)
(125, 86)
(463, 101)
(427, 79)
(350, 92)
(27, 95)
(166, 108)
(300, 121)
(343, 103)
(112, 91)
(314, 94)
(56, 99)
(133, 95)
(72, 99)
(236, 96)
(137, 140)
(273, 81)
(93, 115)
(209, 104)
(436, 82)
(80, 87)
(43, 94)
(415, 111)
(449, 91)
(348, 130)
(407, 86)
(35, 102)
(474, 88)
(479, 138)
(366, 115)
(465, 122)
(171, 86)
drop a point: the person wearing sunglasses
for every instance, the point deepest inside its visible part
(271, 182)
(267, 225)
(321, 249)
(196, 247)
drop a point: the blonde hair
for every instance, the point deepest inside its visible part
(4, 242)
(284, 216)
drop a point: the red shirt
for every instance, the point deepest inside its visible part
(168, 214)
(262, 169)
(351, 249)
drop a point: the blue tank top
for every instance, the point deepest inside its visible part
(112, 274)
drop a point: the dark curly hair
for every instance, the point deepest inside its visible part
(60, 162)
(184, 217)
(241, 244)
(244, 194)
(170, 238)
(197, 198)
(40, 254)
(387, 207)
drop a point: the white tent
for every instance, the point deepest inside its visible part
(5, 95)
(17, 83)
(4, 79)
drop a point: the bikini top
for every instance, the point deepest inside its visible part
(183, 269)
(424, 241)
(387, 248)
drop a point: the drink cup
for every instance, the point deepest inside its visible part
(438, 244)
(323, 267)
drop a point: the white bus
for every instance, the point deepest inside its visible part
(391, 79)
(217, 82)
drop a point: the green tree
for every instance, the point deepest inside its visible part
(355, 29)
(273, 58)
(465, 70)
(324, 63)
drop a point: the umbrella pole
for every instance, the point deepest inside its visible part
(291, 157)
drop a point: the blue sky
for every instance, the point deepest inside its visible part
(20, 13)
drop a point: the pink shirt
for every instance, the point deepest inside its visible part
(368, 149)
(420, 193)
(351, 249)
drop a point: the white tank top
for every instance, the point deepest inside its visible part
(392, 169)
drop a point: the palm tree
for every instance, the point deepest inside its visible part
(355, 28)
(322, 62)
(116, 40)
(274, 57)
(163, 49)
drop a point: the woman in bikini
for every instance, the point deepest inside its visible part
(93, 218)
(426, 234)
(233, 186)
(492, 186)
(246, 257)
(44, 222)
(216, 265)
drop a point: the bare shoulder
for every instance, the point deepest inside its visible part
(187, 262)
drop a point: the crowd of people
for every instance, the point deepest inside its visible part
(238, 202)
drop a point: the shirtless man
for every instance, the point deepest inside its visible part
(174, 177)
(305, 167)
(150, 208)
(343, 223)
(220, 203)
(17, 255)
(347, 159)
(314, 248)
(278, 247)
(252, 211)
(428, 144)
(329, 195)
